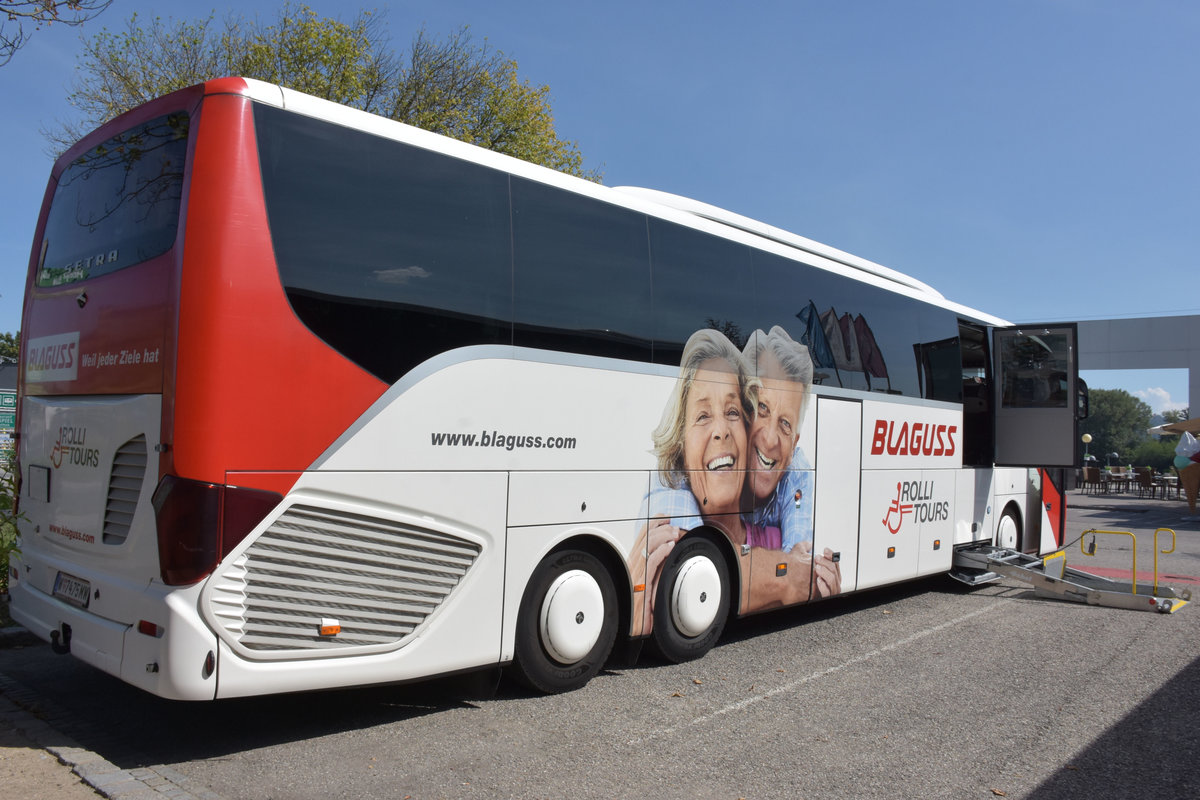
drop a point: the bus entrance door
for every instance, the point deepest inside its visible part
(1036, 395)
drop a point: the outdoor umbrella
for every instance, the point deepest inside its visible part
(1191, 426)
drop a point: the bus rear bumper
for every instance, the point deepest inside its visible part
(89, 638)
(121, 650)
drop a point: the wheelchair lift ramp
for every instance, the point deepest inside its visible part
(1052, 578)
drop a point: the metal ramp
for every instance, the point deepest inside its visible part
(1052, 578)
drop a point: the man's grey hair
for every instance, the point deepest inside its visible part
(793, 357)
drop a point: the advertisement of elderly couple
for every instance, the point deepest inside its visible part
(731, 457)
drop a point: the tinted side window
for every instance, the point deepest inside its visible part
(941, 370)
(859, 336)
(784, 290)
(1034, 370)
(700, 281)
(581, 274)
(117, 204)
(389, 253)
(940, 354)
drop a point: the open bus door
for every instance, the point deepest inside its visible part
(1037, 395)
(1038, 399)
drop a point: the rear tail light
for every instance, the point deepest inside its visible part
(200, 523)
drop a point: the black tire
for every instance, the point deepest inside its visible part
(688, 620)
(566, 624)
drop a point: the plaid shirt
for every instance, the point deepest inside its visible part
(790, 507)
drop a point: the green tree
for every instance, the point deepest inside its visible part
(10, 537)
(452, 86)
(1117, 422)
(1175, 415)
(18, 16)
(1157, 453)
(10, 347)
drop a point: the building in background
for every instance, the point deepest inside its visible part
(1143, 343)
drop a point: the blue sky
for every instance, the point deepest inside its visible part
(1035, 159)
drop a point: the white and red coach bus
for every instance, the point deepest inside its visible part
(310, 398)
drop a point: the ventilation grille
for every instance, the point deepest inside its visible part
(124, 487)
(377, 579)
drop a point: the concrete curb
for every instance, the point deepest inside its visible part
(16, 636)
(109, 780)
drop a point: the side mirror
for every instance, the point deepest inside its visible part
(1081, 399)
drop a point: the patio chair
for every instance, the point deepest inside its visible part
(1119, 479)
(1177, 485)
(1146, 483)
(1091, 480)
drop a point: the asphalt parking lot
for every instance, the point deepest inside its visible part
(927, 689)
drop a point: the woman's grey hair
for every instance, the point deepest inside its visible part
(792, 356)
(702, 346)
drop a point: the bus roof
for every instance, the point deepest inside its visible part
(676, 208)
(733, 220)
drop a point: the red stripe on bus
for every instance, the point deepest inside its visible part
(290, 389)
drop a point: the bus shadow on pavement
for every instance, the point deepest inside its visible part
(776, 621)
(131, 728)
(1151, 752)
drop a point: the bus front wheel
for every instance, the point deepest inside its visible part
(567, 622)
(692, 601)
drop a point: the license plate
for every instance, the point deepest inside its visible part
(73, 590)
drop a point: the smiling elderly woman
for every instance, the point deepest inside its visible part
(701, 442)
(703, 450)
(701, 446)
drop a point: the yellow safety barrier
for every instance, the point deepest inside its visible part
(1164, 552)
(1091, 551)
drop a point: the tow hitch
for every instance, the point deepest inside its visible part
(60, 640)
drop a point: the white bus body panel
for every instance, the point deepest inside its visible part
(911, 456)
(73, 478)
(462, 632)
(838, 484)
(891, 506)
(575, 498)
(488, 490)
(1019, 488)
(974, 518)
(170, 665)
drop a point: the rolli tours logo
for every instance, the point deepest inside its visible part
(915, 499)
(71, 448)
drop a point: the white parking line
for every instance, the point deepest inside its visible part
(793, 685)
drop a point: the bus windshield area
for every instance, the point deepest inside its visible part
(117, 204)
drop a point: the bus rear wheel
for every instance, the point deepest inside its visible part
(1008, 531)
(567, 622)
(692, 601)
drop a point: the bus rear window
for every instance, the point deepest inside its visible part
(116, 205)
